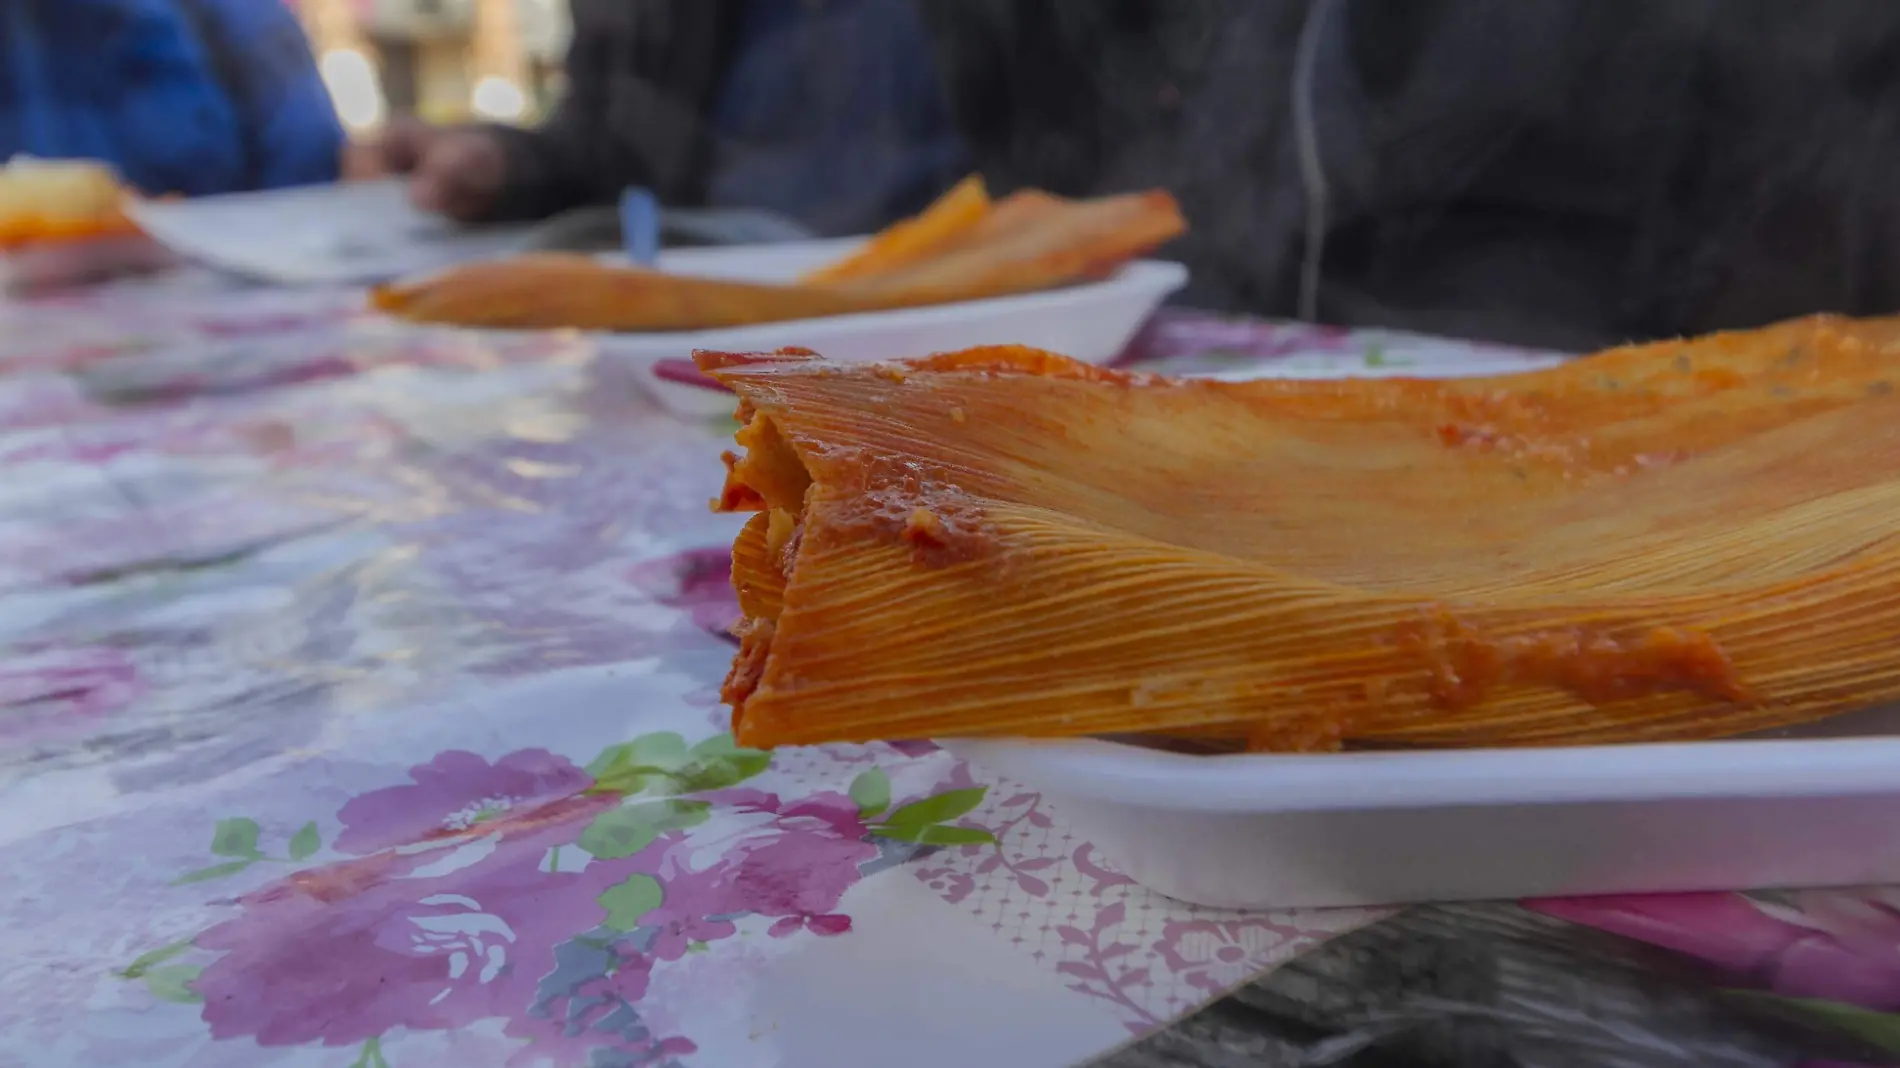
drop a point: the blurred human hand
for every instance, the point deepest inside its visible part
(456, 171)
(363, 161)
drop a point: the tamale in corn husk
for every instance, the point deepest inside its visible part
(1673, 541)
(963, 248)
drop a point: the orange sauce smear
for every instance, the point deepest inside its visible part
(1465, 665)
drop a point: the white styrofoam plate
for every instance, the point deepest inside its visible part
(1817, 805)
(333, 234)
(1092, 323)
(1387, 828)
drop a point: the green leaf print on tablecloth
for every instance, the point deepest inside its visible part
(947, 806)
(167, 982)
(237, 837)
(306, 842)
(661, 762)
(925, 822)
(622, 832)
(872, 791)
(631, 901)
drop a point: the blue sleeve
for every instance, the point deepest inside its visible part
(128, 84)
(290, 129)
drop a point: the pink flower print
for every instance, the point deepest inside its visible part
(460, 794)
(697, 582)
(1217, 956)
(1102, 970)
(830, 924)
(674, 939)
(697, 903)
(49, 689)
(1840, 945)
(1098, 872)
(788, 861)
(951, 884)
(848, 754)
(801, 870)
(341, 954)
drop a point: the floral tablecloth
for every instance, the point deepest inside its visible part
(358, 709)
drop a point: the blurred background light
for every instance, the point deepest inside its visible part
(446, 61)
(498, 99)
(354, 87)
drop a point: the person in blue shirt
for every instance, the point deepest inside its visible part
(191, 97)
(825, 112)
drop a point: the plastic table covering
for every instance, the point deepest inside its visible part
(358, 709)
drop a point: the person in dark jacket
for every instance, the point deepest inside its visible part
(180, 96)
(824, 111)
(1567, 173)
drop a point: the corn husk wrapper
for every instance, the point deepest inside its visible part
(1673, 541)
(964, 248)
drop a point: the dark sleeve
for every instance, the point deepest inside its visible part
(258, 53)
(1020, 89)
(556, 166)
(1273, 123)
(632, 114)
(1092, 97)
